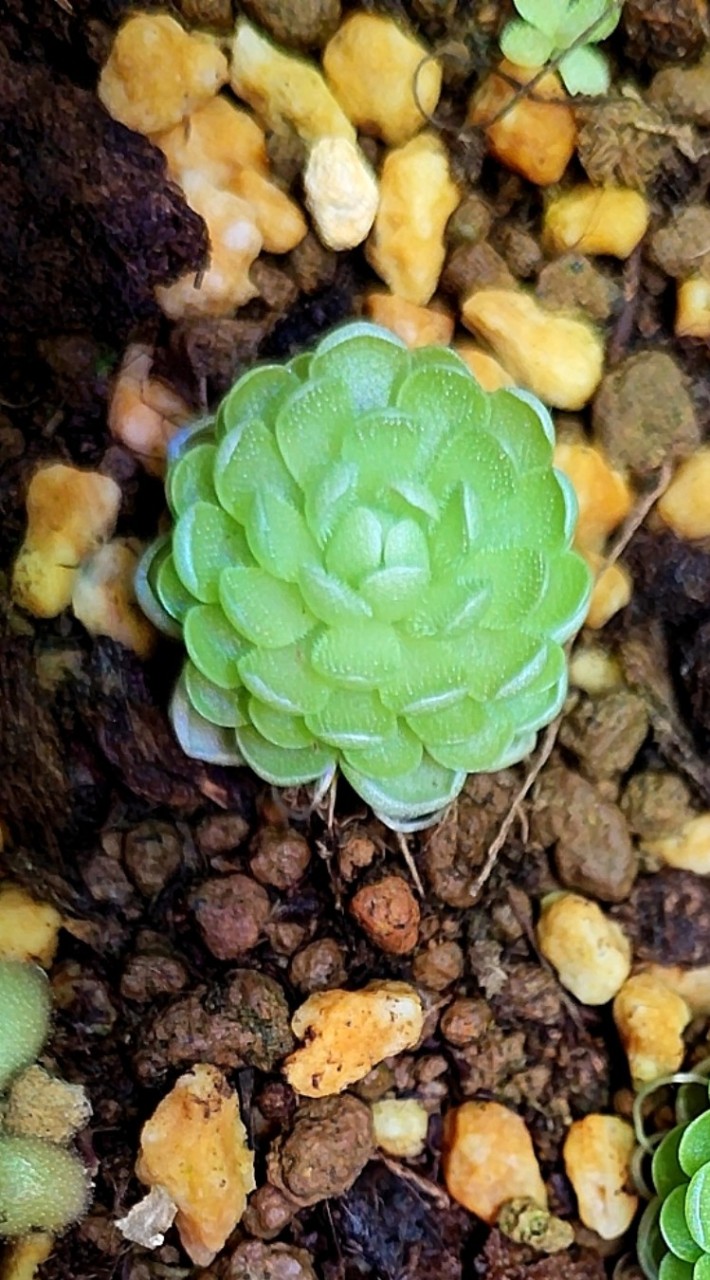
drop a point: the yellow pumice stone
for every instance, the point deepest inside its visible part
(606, 220)
(157, 73)
(284, 89)
(685, 506)
(558, 357)
(417, 197)
(372, 67)
(651, 1018)
(597, 1155)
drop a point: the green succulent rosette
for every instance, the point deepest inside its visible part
(673, 1240)
(370, 570)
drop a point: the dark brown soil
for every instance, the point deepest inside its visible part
(200, 907)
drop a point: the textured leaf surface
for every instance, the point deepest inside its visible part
(205, 540)
(264, 610)
(258, 395)
(191, 479)
(280, 766)
(213, 645)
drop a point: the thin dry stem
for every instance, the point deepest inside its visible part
(411, 864)
(546, 748)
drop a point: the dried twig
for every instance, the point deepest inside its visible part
(411, 864)
(546, 748)
(637, 516)
(427, 1188)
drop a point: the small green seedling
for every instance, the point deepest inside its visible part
(24, 1016)
(566, 31)
(370, 570)
(43, 1186)
(674, 1232)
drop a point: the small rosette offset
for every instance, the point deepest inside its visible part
(370, 568)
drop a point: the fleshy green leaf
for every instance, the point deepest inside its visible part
(433, 674)
(650, 1245)
(278, 727)
(545, 15)
(311, 428)
(501, 663)
(516, 580)
(565, 599)
(665, 1167)
(248, 460)
(524, 428)
(525, 45)
(585, 70)
(352, 719)
(588, 21)
(448, 609)
(264, 610)
(257, 395)
(456, 532)
(145, 586)
(483, 465)
(357, 545)
(697, 1206)
(540, 515)
(278, 536)
(443, 401)
(281, 767)
(368, 360)
(213, 645)
(225, 707)
(674, 1228)
(423, 790)
(384, 446)
(452, 723)
(284, 679)
(694, 1146)
(329, 598)
(399, 754)
(204, 541)
(190, 478)
(198, 737)
(673, 1268)
(329, 498)
(701, 1270)
(173, 596)
(358, 654)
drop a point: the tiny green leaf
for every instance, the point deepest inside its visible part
(585, 70)
(694, 1145)
(674, 1227)
(697, 1207)
(526, 45)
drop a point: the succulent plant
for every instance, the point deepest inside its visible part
(370, 569)
(674, 1232)
(42, 1185)
(564, 30)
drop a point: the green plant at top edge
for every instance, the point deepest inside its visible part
(370, 570)
(673, 1241)
(566, 31)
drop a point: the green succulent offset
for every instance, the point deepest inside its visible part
(370, 569)
(565, 30)
(674, 1233)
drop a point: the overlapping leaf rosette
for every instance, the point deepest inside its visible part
(674, 1231)
(370, 569)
